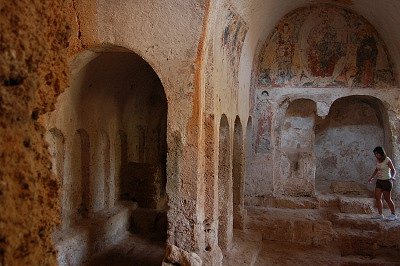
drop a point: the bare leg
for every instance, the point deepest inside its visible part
(388, 198)
(378, 198)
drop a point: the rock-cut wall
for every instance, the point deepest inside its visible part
(32, 73)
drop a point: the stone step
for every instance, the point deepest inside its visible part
(368, 243)
(283, 202)
(361, 235)
(356, 205)
(347, 204)
(280, 253)
(322, 227)
(90, 236)
(362, 222)
(308, 227)
(335, 202)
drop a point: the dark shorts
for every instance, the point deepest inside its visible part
(385, 185)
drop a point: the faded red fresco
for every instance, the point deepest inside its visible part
(233, 38)
(324, 46)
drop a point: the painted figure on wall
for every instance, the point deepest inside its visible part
(283, 48)
(324, 54)
(324, 46)
(233, 38)
(366, 61)
(285, 53)
(264, 121)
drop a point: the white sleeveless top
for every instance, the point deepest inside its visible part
(383, 169)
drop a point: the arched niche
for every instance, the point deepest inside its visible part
(225, 193)
(118, 104)
(249, 138)
(132, 101)
(79, 189)
(101, 171)
(344, 142)
(249, 156)
(297, 145)
(56, 140)
(121, 161)
(238, 164)
(115, 115)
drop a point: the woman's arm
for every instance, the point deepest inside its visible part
(373, 175)
(392, 170)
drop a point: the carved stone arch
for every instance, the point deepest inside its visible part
(56, 140)
(132, 98)
(225, 195)
(101, 172)
(238, 165)
(112, 89)
(249, 138)
(344, 141)
(249, 156)
(80, 194)
(121, 161)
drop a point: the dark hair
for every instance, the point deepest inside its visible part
(381, 151)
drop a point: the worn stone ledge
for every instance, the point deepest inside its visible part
(80, 242)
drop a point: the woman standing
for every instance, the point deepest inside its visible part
(385, 174)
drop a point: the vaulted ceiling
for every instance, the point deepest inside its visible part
(263, 15)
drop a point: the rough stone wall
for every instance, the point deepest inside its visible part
(297, 146)
(32, 74)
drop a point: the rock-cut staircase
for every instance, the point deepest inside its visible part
(339, 226)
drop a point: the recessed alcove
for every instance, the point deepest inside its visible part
(115, 123)
(344, 142)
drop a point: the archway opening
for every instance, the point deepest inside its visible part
(238, 176)
(249, 139)
(344, 141)
(114, 119)
(249, 157)
(225, 195)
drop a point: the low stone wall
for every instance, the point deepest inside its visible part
(78, 243)
(350, 232)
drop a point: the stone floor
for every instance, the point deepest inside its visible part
(333, 231)
(131, 251)
(254, 251)
(275, 253)
(248, 249)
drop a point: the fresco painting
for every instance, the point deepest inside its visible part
(233, 38)
(263, 111)
(324, 46)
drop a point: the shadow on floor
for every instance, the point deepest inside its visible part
(132, 251)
